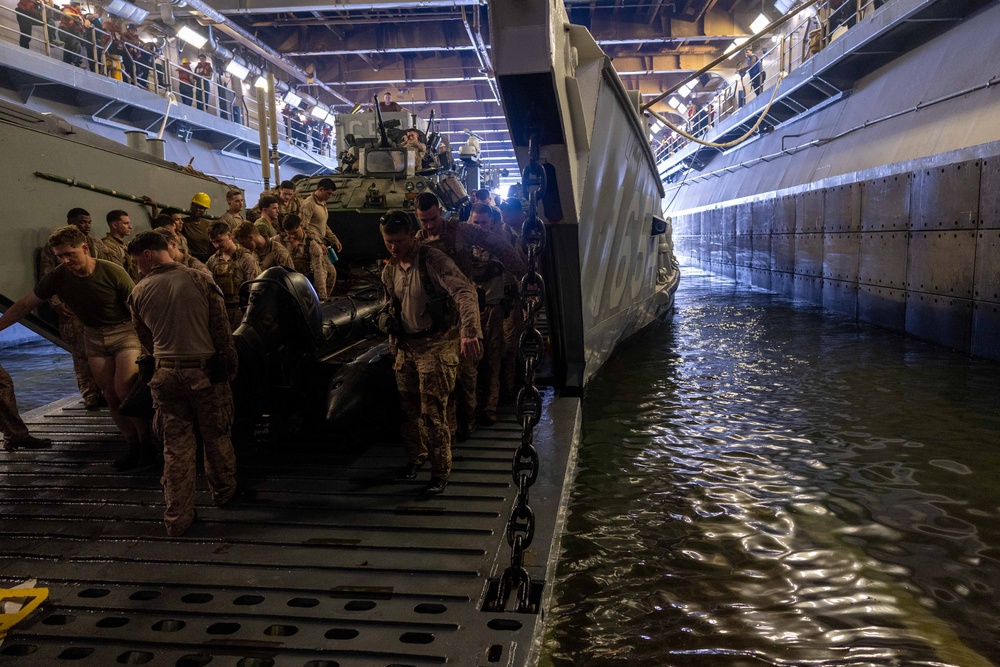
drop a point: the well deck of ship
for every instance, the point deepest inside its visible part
(326, 560)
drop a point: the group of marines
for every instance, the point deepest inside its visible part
(165, 305)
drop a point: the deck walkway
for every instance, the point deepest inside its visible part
(326, 561)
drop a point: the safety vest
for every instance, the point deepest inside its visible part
(224, 273)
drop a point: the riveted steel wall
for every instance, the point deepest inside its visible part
(915, 251)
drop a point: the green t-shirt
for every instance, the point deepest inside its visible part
(99, 300)
(196, 234)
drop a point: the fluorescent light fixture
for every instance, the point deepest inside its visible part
(783, 5)
(656, 126)
(319, 113)
(261, 83)
(331, 120)
(127, 11)
(759, 23)
(737, 43)
(292, 99)
(237, 70)
(191, 37)
(685, 90)
(675, 103)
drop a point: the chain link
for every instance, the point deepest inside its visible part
(525, 464)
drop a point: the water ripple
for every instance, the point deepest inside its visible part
(764, 484)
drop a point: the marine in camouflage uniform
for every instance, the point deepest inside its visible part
(231, 266)
(308, 256)
(180, 316)
(113, 244)
(70, 327)
(426, 291)
(11, 425)
(268, 251)
(457, 240)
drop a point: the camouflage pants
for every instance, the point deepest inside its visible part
(513, 327)
(494, 346)
(425, 376)
(187, 403)
(11, 424)
(71, 330)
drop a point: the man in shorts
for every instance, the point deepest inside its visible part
(96, 291)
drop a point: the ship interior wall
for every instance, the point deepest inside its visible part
(916, 251)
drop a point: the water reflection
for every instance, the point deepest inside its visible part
(42, 373)
(765, 484)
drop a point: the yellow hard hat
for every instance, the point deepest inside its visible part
(185, 61)
(201, 199)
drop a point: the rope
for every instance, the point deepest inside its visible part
(728, 144)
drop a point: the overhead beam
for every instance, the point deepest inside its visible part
(278, 6)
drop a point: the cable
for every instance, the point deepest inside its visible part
(728, 144)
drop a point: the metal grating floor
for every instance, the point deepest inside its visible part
(326, 561)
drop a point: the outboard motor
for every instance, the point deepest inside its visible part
(281, 333)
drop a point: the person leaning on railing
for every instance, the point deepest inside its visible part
(29, 15)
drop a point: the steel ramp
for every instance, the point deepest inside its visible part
(327, 560)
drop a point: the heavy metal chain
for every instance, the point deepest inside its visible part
(524, 468)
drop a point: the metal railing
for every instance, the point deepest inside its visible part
(107, 52)
(786, 49)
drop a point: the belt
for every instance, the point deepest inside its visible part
(176, 365)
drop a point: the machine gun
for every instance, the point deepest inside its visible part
(383, 137)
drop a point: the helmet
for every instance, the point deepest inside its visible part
(201, 199)
(185, 61)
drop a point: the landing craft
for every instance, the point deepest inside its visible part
(366, 574)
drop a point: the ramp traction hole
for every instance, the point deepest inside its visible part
(94, 593)
(59, 619)
(113, 622)
(416, 638)
(430, 608)
(504, 624)
(303, 602)
(359, 605)
(135, 658)
(248, 600)
(193, 660)
(224, 629)
(255, 662)
(19, 650)
(341, 633)
(143, 596)
(76, 653)
(197, 598)
(322, 663)
(281, 630)
(169, 625)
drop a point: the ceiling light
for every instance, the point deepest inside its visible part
(319, 113)
(685, 90)
(261, 83)
(783, 5)
(737, 43)
(675, 103)
(331, 120)
(127, 11)
(759, 23)
(292, 99)
(237, 70)
(656, 126)
(191, 37)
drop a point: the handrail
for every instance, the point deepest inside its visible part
(812, 33)
(94, 44)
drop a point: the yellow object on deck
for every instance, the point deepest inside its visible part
(36, 596)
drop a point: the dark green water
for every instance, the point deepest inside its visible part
(762, 483)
